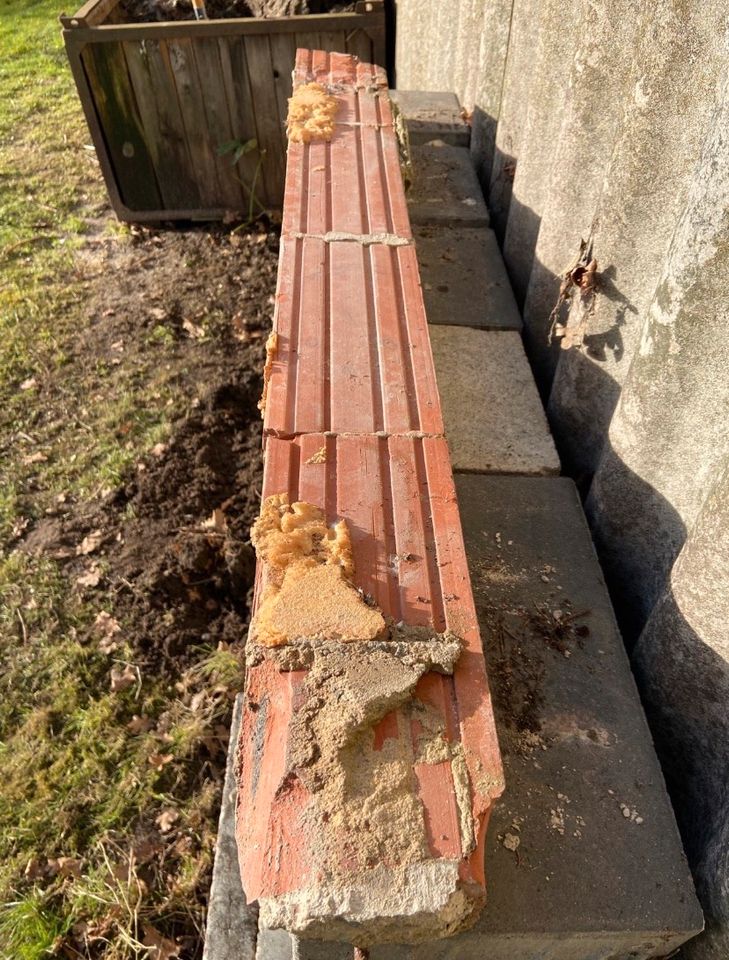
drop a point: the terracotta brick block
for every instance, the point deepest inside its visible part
(368, 760)
(351, 184)
(353, 351)
(398, 499)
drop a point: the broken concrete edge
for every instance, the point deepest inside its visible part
(232, 925)
(411, 645)
(431, 115)
(414, 903)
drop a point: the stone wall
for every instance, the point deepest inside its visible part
(608, 122)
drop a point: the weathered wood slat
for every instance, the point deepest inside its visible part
(242, 117)
(164, 131)
(269, 128)
(359, 44)
(217, 116)
(192, 105)
(121, 124)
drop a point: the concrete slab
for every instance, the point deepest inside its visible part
(584, 881)
(232, 926)
(432, 115)
(493, 416)
(464, 278)
(445, 189)
(572, 877)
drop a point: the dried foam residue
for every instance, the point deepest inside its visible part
(311, 114)
(271, 348)
(309, 569)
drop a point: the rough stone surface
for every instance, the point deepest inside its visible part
(683, 645)
(669, 435)
(470, 62)
(655, 167)
(432, 116)
(445, 189)
(231, 925)
(274, 945)
(464, 279)
(493, 416)
(577, 749)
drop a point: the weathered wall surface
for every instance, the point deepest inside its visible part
(608, 121)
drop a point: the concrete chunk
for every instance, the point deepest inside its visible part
(232, 924)
(432, 115)
(493, 416)
(445, 189)
(464, 279)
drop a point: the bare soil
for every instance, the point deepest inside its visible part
(171, 556)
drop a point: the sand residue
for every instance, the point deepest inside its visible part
(311, 114)
(309, 569)
(364, 808)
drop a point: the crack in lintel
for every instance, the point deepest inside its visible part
(341, 236)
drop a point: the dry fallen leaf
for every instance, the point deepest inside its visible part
(64, 867)
(159, 450)
(159, 760)
(216, 522)
(167, 819)
(161, 948)
(37, 457)
(145, 849)
(35, 869)
(139, 724)
(193, 329)
(157, 313)
(122, 679)
(90, 578)
(90, 542)
(106, 627)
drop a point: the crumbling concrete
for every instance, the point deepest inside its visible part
(432, 116)
(578, 751)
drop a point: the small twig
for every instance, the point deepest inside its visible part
(23, 627)
(22, 243)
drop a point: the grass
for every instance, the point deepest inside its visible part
(81, 779)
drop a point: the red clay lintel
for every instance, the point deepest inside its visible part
(379, 837)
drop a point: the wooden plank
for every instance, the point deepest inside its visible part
(91, 14)
(332, 40)
(164, 131)
(243, 26)
(121, 124)
(192, 106)
(270, 132)
(359, 43)
(240, 105)
(217, 119)
(283, 57)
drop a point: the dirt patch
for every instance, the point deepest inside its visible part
(177, 319)
(149, 11)
(174, 546)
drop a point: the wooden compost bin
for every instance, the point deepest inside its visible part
(161, 99)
